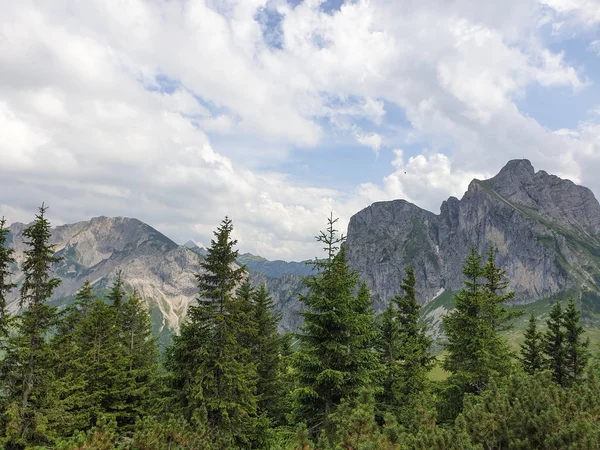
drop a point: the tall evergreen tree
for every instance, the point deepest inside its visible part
(117, 293)
(476, 351)
(92, 370)
(142, 355)
(576, 348)
(332, 361)
(6, 260)
(554, 345)
(69, 366)
(211, 373)
(27, 368)
(531, 350)
(267, 351)
(404, 353)
(495, 286)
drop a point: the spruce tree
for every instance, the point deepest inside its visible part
(27, 367)
(476, 351)
(93, 378)
(142, 356)
(269, 364)
(214, 382)
(554, 345)
(6, 260)
(332, 361)
(404, 353)
(117, 293)
(576, 348)
(495, 286)
(70, 365)
(531, 350)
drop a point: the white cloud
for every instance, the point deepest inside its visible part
(85, 127)
(582, 12)
(371, 140)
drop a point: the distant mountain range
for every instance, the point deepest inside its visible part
(546, 231)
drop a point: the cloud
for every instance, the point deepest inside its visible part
(171, 111)
(372, 140)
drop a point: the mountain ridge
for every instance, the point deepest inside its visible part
(546, 230)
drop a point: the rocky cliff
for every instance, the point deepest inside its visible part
(546, 231)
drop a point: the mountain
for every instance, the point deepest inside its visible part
(275, 269)
(546, 231)
(161, 271)
(95, 250)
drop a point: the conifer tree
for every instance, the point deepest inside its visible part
(404, 353)
(332, 361)
(142, 355)
(531, 350)
(117, 292)
(554, 345)
(211, 374)
(267, 351)
(6, 260)
(576, 348)
(475, 349)
(495, 286)
(70, 366)
(93, 378)
(27, 367)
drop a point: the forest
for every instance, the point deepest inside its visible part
(91, 375)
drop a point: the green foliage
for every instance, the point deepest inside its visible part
(267, 352)
(89, 378)
(403, 348)
(6, 260)
(333, 360)
(531, 351)
(356, 423)
(117, 294)
(576, 348)
(554, 345)
(476, 351)
(26, 369)
(213, 376)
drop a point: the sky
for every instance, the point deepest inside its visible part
(280, 112)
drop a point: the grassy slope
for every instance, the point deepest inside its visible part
(514, 336)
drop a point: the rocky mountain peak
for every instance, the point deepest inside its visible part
(546, 230)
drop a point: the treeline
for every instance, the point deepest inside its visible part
(90, 376)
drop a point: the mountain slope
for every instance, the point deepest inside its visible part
(546, 231)
(95, 250)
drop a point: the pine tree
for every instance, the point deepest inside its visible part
(6, 260)
(214, 382)
(27, 367)
(554, 345)
(332, 361)
(475, 349)
(531, 351)
(576, 349)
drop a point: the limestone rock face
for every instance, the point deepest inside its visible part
(95, 250)
(546, 231)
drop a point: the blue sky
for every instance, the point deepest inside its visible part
(277, 112)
